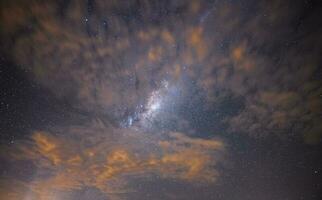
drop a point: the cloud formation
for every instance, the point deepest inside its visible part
(155, 75)
(108, 57)
(73, 161)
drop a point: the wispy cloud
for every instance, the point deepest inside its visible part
(65, 164)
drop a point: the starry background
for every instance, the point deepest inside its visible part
(160, 100)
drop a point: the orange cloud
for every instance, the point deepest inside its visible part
(197, 42)
(167, 37)
(107, 166)
(155, 54)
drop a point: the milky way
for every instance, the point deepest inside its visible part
(199, 99)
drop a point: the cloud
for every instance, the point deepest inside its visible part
(108, 63)
(12, 189)
(64, 164)
(256, 72)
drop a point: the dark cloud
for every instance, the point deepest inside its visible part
(108, 57)
(160, 79)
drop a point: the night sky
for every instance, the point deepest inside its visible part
(160, 100)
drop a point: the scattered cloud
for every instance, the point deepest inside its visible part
(63, 163)
(73, 54)
(153, 68)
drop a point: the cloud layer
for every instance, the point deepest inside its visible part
(108, 57)
(91, 157)
(160, 78)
